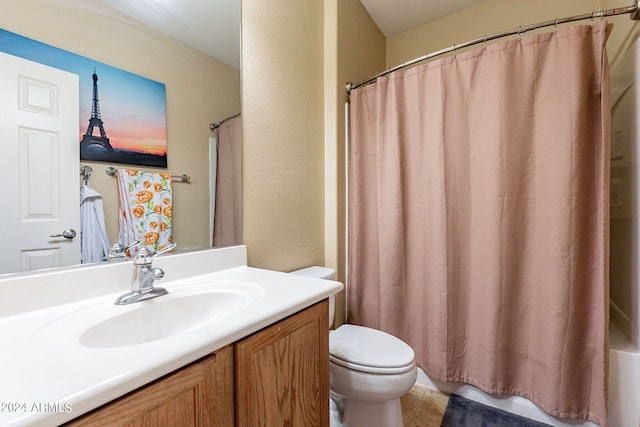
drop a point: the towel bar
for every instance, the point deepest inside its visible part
(111, 171)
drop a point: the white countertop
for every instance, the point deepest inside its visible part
(47, 377)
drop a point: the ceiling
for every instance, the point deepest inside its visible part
(393, 16)
(213, 26)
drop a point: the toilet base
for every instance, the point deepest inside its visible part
(372, 414)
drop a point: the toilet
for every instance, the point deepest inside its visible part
(369, 370)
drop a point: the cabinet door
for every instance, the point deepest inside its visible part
(200, 394)
(282, 372)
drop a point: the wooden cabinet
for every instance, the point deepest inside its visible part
(278, 377)
(200, 394)
(282, 372)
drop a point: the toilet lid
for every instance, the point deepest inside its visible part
(369, 350)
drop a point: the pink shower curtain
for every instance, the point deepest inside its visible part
(478, 212)
(227, 220)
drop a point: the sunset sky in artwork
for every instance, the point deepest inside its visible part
(132, 108)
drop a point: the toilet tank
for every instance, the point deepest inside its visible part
(326, 273)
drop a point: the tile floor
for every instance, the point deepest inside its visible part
(423, 407)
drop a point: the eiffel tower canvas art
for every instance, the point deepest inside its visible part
(126, 124)
(95, 121)
(131, 141)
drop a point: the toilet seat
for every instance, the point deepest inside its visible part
(370, 350)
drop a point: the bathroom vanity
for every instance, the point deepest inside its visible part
(259, 358)
(285, 362)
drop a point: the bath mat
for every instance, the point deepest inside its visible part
(463, 412)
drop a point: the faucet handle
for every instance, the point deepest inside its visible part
(145, 256)
(132, 244)
(163, 250)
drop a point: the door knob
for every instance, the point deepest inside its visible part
(69, 233)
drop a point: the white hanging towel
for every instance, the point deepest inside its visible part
(93, 241)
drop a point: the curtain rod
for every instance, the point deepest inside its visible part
(214, 126)
(634, 10)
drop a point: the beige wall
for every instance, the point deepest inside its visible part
(625, 32)
(199, 89)
(493, 16)
(296, 59)
(283, 132)
(487, 17)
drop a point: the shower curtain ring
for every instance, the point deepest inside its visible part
(485, 40)
(593, 17)
(556, 29)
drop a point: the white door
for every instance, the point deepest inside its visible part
(39, 166)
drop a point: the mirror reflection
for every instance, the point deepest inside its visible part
(200, 90)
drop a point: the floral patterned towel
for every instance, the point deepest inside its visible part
(145, 205)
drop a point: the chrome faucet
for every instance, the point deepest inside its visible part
(143, 277)
(117, 251)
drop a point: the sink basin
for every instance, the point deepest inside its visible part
(163, 318)
(106, 325)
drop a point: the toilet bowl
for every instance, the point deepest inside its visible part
(369, 370)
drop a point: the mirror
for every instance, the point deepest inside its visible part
(200, 89)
